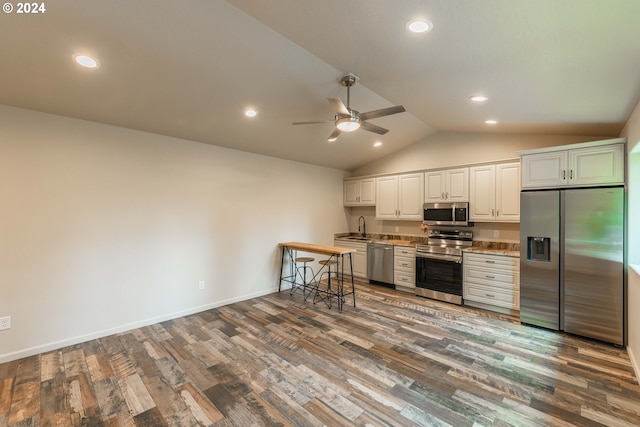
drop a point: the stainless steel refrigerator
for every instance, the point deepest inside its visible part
(572, 261)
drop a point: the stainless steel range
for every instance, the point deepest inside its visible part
(439, 264)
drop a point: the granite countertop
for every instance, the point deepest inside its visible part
(495, 248)
(374, 238)
(479, 247)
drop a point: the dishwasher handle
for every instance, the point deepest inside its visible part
(385, 246)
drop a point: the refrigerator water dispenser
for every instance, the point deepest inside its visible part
(538, 249)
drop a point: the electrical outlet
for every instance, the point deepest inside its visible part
(201, 284)
(5, 323)
(496, 233)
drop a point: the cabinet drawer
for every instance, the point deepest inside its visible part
(494, 278)
(488, 295)
(404, 279)
(492, 261)
(404, 264)
(404, 251)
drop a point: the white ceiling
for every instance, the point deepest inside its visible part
(189, 68)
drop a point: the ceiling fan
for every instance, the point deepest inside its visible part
(349, 120)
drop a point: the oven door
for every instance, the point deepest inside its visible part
(439, 277)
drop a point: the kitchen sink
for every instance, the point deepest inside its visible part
(356, 238)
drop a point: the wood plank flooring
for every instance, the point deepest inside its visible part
(395, 360)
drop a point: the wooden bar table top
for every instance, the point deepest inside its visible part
(317, 249)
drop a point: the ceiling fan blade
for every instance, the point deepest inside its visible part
(373, 128)
(339, 106)
(382, 112)
(334, 135)
(312, 123)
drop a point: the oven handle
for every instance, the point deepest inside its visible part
(450, 258)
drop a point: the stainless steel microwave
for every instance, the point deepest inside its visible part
(446, 213)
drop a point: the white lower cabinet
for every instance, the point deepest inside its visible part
(491, 282)
(404, 268)
(359, 257)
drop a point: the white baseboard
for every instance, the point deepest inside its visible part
(8, 357)
(634, 363)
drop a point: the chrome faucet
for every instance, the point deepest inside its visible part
(364, 226)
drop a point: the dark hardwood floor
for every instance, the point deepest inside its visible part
(395, 360)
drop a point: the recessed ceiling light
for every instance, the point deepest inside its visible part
(478, 98)
(377, 144)
(419, 26)
(491, 122)
(250, 113)
(86, 61)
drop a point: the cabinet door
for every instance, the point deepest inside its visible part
(434, 186)
(597, 165)
(359, 259)
(482, 185)
(508, 192)
(351, 193)
(457, 188)
(544, 170)
(368, 191)
(410, 196)
(387, 197)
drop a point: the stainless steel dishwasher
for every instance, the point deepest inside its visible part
(380, 263)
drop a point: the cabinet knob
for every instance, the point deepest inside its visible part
(490, 277)
(489, 261)
(490, 295)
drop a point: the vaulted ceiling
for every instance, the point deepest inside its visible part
(189, 69)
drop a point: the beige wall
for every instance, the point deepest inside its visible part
(103, 229)
(632, 133)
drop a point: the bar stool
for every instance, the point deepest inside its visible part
(328, 292)
(301, 271)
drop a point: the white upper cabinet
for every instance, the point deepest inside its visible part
(360, 192)
(586, 164)
(450, 185)
(494, 193)
(597, 165)
(508, 192)
(544, 169)
(400, 196)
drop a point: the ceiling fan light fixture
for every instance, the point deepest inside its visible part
(348, 124)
